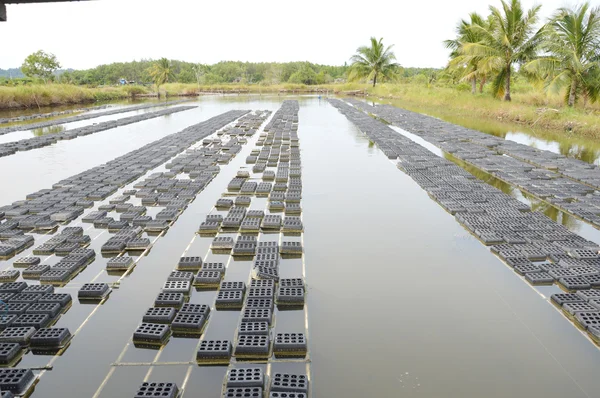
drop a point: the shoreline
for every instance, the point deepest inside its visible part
(528, 112)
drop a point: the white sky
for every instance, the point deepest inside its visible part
(86, 34)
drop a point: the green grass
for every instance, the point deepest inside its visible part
(530, 108)
(39, 95)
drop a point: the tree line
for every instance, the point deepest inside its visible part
(219, 73)
(563, 53)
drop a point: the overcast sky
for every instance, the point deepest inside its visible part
(86, 34)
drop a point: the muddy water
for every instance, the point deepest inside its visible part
(402, 301)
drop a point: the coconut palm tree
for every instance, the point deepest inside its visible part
(510, 39)
(161, 71)
(374, 62)
(468, 65)
(572, 43)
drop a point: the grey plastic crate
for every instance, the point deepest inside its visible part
(291, 247)
(36, 321)
(174, 300)
(214, 351)
(260, 292)
(209, 227)
(584, 319)
(192, 263)
(177, 287)
(50, 338)
(588, 294)
(35, 271)
(271, 222)
(250, 225)
(9, 275)
(257, 315)
(157, 389)
(232, 286)
(229, 299)
(93, 291)
(243, 200)
(539, 278)
(120, 263)
(28, 298)
(286, 382)
(266, 272)
(254, 328)
(245, 377)
(12, 287)
(246, 392)
(244, 249)
(188, 323)
(214, 267)
(259, 303)
(290, 344)
(527, 269)
(9, 352)
(138, 244)
(290, 296)
(153, 333)
(287, 394)
(17, 334)
(200, 309)
(63, 299)
(223, 203)
(159, 315)
(16, 381)
(574, 283)
(25, 262)
(253, 346)
(255, 214)
(222, 243)
(7, 320)
(575, 308)
(207, 279)
(180, 276)
(51, 309)
(262, 283)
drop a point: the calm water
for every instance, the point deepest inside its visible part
(402, 301)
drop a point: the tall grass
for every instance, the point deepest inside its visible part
(530, 108)
(35, 96)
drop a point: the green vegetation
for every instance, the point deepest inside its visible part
(56, 94)
(572, 40)
(372, 62)
(507, 37)
(40, 64)
(161, 72)
(563, 53)
(468, 66)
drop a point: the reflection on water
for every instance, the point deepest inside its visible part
(48, 130)
(536, 205)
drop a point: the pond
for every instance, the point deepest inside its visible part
(401, 300)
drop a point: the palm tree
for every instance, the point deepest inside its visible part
(510, 38)
(572, 42)
(373, 62)
(161, 71)
(468, 66)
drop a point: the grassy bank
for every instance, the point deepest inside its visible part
(36, 96)
(530, 108)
